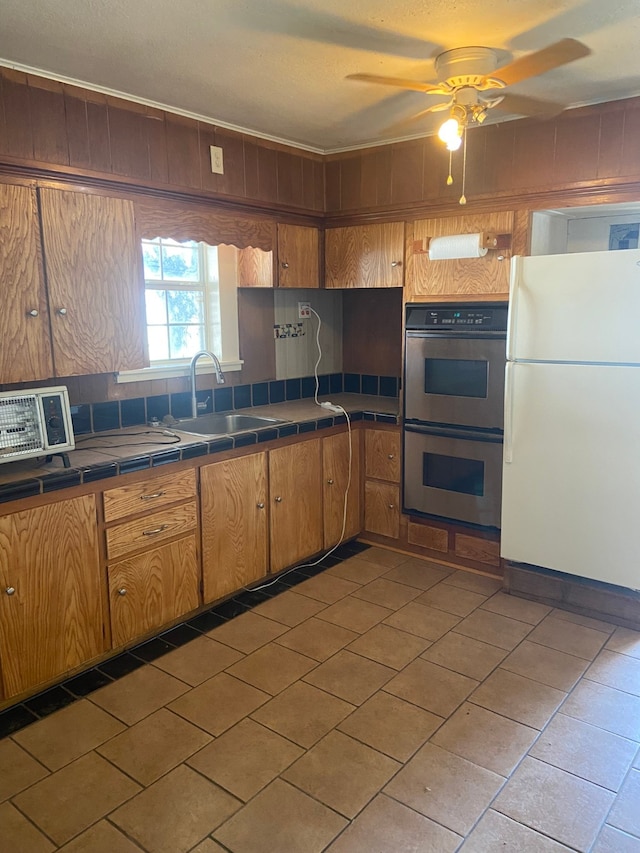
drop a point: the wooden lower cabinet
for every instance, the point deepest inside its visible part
(335, 472)
(51, 603)
(234, 521)
(151, 589)
(295, 502)
(382, 508)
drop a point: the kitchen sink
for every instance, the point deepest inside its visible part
(221, 424)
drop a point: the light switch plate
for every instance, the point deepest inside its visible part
(217, 164)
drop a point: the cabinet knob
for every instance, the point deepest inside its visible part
(10, 590)
(33, 313)
(390, 506)
(278, 499)
(390, 455)
(330, 482)
(284, 265)
(62, 311)
(396, 263)
(122, 591)
(260, 505)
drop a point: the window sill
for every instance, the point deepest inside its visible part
(171, 371)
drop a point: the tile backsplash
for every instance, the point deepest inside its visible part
(114, 414)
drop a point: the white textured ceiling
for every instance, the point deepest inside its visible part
(277, 68)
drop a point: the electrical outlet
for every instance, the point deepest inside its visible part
(304, 310)
(217, 164)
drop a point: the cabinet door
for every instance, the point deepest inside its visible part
(298, 256)
(233, 499)
(468, 277)
(382, 509)
(25, 348)
(382, 454)
(335, 470)
(50, 592)
(295, 495)
(152, 589)
(96, 288)
(365, 255)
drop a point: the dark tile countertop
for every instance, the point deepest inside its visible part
(99, 456)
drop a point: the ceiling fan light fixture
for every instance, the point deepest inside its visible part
(450, 133)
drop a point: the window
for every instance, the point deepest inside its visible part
(191, 304)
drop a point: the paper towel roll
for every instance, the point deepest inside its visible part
(456, 246)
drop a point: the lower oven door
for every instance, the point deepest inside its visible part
(453, 474)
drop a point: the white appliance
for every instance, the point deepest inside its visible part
(35, 422)
(571, 473)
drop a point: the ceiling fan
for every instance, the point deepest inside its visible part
(469, 76)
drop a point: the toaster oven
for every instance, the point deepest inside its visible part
(35, 422)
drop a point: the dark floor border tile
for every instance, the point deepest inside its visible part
(15, 718)
(180, 635)
(152, 649)
(120, 665)
(87, 682)
(49, 701)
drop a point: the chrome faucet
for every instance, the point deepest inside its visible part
(192, 369)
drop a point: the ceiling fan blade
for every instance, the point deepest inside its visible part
(528, 106)
(401, 125)
(557, 54)
(415, 85)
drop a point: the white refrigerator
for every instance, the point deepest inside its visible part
(571, 473)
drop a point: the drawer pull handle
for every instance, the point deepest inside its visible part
(278, 499)
(390, 456)
(10, 590)
(330, 482)
(152, 496)
(122, 591)
(260, 505)
(155, 530)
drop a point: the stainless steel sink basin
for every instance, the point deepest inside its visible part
(221, 424)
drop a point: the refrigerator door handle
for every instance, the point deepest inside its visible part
(508, 413)
(514, 293)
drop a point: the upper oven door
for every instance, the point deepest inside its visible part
(455, 379)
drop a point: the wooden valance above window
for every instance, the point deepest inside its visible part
(185, 221)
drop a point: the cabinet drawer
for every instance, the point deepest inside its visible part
(148, 494)
(381, 509)
(145, 532)
(152, 589)
(382, 455)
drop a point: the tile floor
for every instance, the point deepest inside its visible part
(385, 705)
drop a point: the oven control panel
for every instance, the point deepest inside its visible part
(478, 317)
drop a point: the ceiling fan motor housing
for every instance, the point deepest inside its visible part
(468, 66)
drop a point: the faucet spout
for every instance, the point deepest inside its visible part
(192, 373)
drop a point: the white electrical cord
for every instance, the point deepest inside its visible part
(333, 408)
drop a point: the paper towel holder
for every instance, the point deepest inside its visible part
(488, 240)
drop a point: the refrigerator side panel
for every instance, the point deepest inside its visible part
(576, 308)
(571, 493)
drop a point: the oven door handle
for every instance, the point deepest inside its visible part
(452, 432)
(508, 413)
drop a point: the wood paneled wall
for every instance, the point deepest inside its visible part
(372, 331)
(44, 123)
(587, 154)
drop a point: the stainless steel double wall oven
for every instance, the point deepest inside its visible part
(454, 411)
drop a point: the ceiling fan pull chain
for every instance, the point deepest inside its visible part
(463, 198)
(450, 176)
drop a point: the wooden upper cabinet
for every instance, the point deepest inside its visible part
(50, 601)
(255, 268)
(465, 277)
(25, 345)
(298, 256)
(93, 261)
(365, 256)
